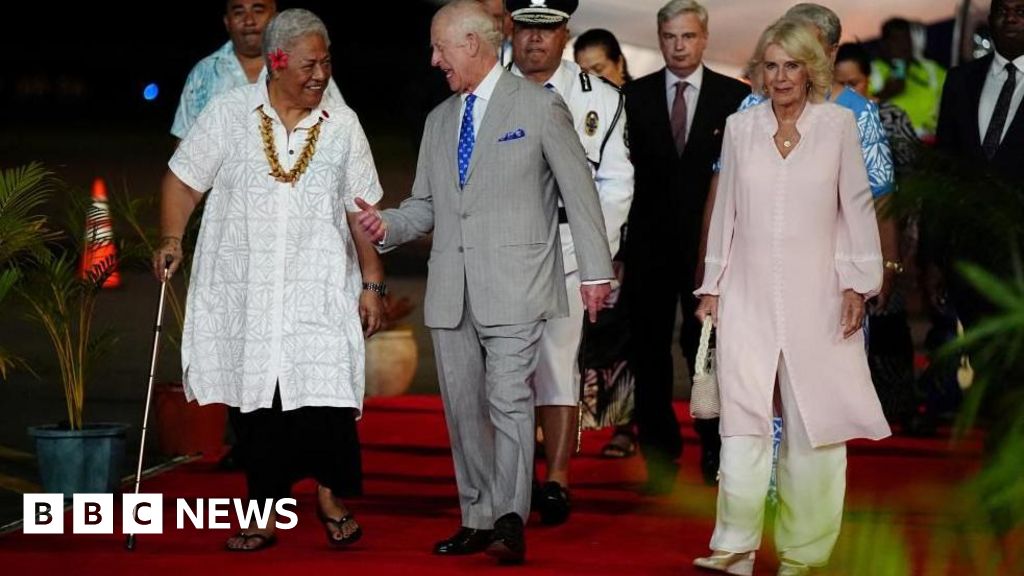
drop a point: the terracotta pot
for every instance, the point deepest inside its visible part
(391, 358)
(186, 427)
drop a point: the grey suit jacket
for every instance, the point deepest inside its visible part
(498, 236)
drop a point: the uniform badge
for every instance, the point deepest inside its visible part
(590, 124)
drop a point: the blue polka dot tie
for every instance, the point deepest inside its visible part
(466, 140)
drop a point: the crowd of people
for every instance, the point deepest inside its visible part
(574, 210)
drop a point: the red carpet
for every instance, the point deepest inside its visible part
(900, 491)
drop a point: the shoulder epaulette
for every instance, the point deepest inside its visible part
(585, 81)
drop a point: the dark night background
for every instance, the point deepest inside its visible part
(74, 73)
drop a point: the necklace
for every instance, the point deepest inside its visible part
(292, 176)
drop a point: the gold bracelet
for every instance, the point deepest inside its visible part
(895, 265)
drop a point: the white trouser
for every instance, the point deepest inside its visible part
(811, 484)
(557, 379)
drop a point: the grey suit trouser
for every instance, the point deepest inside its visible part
(484, 374)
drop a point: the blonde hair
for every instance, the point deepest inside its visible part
(794, 37)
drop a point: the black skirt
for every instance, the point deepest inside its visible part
(283, 447)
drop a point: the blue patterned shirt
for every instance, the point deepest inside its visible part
(215, 74)
(874, 144)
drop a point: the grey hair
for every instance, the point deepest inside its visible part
(287, 27)
(677, 7)
(470, 17)
(823, 18)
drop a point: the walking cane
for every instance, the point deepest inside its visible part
(130, 543)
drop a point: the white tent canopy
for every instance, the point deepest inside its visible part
(735, 25)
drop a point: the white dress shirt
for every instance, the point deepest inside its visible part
(994, 81)
(483, 94)
(694, 82)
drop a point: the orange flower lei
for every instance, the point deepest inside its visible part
(292, 176)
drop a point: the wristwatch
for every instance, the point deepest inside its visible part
(895, 265)
(379, 287)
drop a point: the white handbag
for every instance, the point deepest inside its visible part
(704, 401)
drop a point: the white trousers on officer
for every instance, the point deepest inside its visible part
(557, 379)
(811, 485)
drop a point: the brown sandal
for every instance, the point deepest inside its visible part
(264, 541)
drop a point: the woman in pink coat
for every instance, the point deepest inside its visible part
(793, 252)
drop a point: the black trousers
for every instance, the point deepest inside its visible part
(283, 447)
(655, 295)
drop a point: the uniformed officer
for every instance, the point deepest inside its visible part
(539, 37)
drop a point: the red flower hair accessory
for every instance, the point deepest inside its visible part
(278, 59)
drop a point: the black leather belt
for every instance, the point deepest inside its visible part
(563, 218)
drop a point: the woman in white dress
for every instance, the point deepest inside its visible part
(283, 289)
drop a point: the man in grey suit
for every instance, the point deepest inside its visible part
(494, 160)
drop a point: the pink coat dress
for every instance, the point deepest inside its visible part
(787, 237)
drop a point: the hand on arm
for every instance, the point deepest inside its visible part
(369, 221)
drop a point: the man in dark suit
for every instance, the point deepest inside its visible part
(979, 119)
(676, 118)
(981, 126)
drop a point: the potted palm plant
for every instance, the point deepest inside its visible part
(72, 456)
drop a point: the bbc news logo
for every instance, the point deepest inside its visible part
(144, 513)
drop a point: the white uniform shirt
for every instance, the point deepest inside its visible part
(613, 176)
(275, 283)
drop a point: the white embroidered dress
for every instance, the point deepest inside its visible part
(275, 283)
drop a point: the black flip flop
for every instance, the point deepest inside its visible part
(265, 541)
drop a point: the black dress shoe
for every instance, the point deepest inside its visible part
(465, 541)
(509, 543)
(553, 504)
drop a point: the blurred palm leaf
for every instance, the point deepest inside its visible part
(23, 232)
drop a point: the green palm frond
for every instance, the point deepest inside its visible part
(23, 191)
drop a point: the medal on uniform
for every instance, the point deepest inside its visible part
(590, 124)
